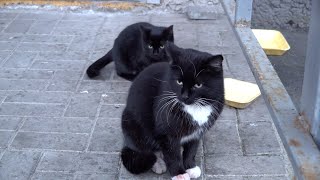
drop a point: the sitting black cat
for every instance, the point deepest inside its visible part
(172, 105)
(136, 47)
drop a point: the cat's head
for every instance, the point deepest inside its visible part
(156, 39)
(195, 77)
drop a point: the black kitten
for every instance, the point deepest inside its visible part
(136, 47)
(169, 106)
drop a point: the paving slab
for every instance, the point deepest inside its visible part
(56, 123)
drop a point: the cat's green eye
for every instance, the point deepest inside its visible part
(150, 46)
(179, 82)
(198, 85)
(161, 46)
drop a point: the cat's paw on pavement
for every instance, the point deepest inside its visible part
(181, 177)
(194, 172)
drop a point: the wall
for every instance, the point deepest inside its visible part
(281, 14)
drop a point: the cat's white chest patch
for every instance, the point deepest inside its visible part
(200, 114)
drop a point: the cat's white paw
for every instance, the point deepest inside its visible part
(184, 176)
(194, 172)
(159, 167)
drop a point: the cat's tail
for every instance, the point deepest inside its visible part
(94, 69)
(137, 162)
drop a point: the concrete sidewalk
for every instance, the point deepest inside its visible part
(55, 123)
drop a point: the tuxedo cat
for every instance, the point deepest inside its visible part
(169, 106)
(136, 47)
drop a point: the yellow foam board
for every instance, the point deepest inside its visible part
(271, 41)
(240, 94)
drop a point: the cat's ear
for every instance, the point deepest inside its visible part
(145, 31)
(215, 62)
(168, 33)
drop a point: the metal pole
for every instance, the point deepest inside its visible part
(310, 99)
(243, 12)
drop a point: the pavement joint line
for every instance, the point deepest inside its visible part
(34, 169)
(55, 26)
(45, 150)
(53, 132)
(13, 50)
(96, 118)
(119, 169)
(251, 175)
(49, 81)
(16, 133)
(9, 23)
(7, 130)
(67, 105)
(33, 61)
(34, 103)
(238, 133)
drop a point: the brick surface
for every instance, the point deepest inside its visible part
(20, 60)
(66, 65)
(244, 165)
(30, 46)
(8, 46)
(257, 111)
(9, 84)
(223, 139)
(82, 43)
(4, 15)
(228, 113)
(111, 111)
(258, 137)
(31, 109)
(42, 27)
(83, 105)
(80, 162)
(95, 176)
(18, 165)
(61, 55)
(19, 26)
(40, 16)
(107, 136)
(114, 98)
(5, 136)
(62, 85)
(48, 39)
(25, 74)
(9, 123)
(38, 97)
(63, 125)
(33, 140)
(52, 176)
(4, 55)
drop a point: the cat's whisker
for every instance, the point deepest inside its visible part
(194, 68)
(207, 99)
(180, 69)
(199, 73)
(160, 80)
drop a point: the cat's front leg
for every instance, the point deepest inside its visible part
(189, 153)
(171, 150)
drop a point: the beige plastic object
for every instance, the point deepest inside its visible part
(240, 94)
(271, 41)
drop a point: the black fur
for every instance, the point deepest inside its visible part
(136, 47)
(154, 119)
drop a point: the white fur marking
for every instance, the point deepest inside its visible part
(190, 137)
(194, 172)
(199, 114)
